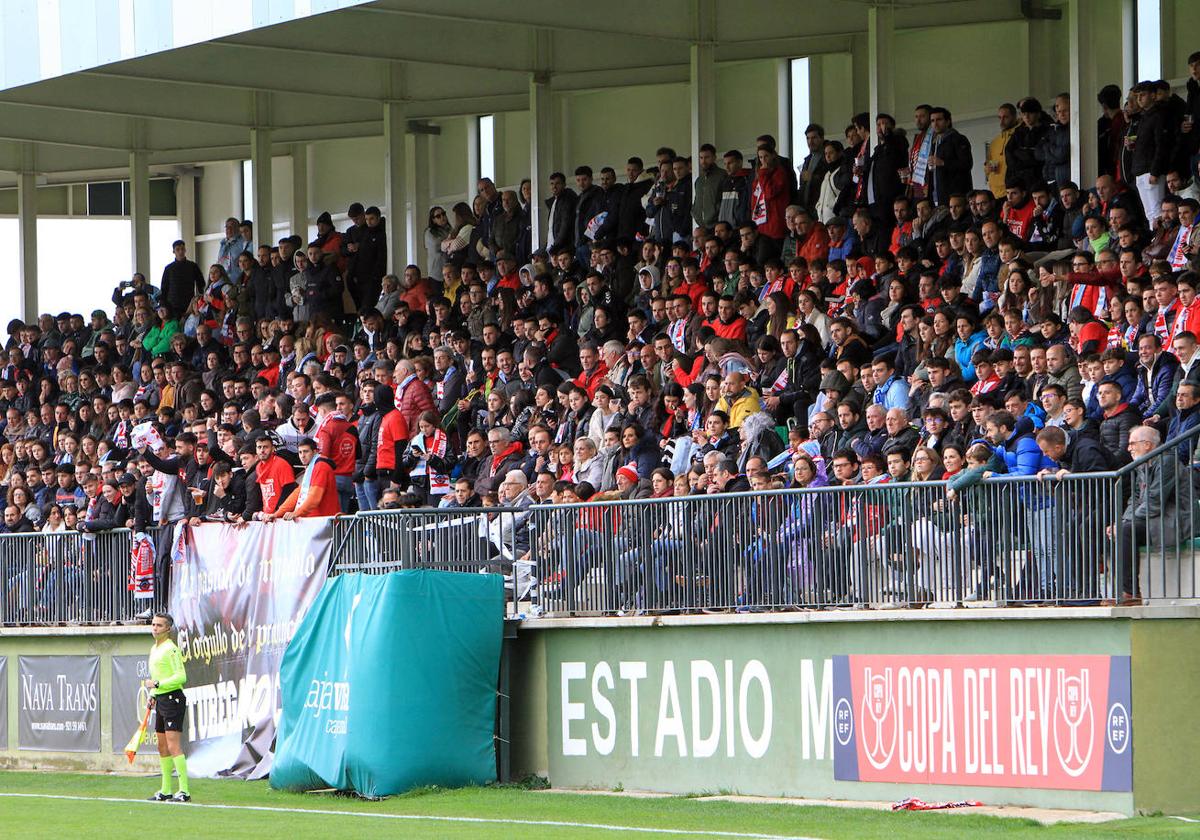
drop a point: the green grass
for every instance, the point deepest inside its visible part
(22, 818)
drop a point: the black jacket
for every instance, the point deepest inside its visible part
(1021, 151)
(370, 263)
(887, 159)
(181, 281)
(1154, 144)
(1085, 454)
(591, 203)
(631, 215)
(953, 177)
(561, 222)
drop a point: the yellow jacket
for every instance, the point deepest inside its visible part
(741, 408)
(995, 154)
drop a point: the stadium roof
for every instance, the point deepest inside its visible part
(326, 76)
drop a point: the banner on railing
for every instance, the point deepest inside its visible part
(58, 703)
(237, 594)
(1059, 722)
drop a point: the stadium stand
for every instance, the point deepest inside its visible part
(735, 382)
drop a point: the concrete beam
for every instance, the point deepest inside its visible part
(185, 207)
(262, 187)
(27, 238)
(139, 210)
(1082, 68)
(395, 118)
(702, 77)
(881, 31)
(299, 216)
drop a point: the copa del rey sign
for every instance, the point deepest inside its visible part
(1059, 722)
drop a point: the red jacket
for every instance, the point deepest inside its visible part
(815, 245)
(334, 443)
(591, 382)
(769, 200)
(412, 398)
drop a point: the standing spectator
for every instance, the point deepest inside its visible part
(1152, 149)
(707, 189)
(230, 248)
(950, 159)
(813, 169)
(996, 164)
(316, 494)
(588, 206)
(1054, 147)
(368, 259)
(769, 199)
(181, 279)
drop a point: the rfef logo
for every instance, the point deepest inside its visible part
(993, 720)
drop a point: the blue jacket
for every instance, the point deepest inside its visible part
(1021, 454)
(1154, 385)
(964, 350)
(1181, 423)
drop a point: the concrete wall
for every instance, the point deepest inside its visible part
(791, 652)
(102, 642)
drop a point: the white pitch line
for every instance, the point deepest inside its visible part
(426, 818)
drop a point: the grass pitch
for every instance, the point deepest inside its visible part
(229, 809)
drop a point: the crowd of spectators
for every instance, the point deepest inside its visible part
(866, 314)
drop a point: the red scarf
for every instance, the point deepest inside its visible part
(497, 460)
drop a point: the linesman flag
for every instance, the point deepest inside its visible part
(136, 741)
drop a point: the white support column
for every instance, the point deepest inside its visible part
(395, 122)
(1128, 45)
(139, 210)
(783, 107)
(702, 76)
(27, 242)
(261, 182)
(1082, 66)
(300, 189)
(541, 153)
(472, 185)
(881, 72)
(185, 210)
(416, 182)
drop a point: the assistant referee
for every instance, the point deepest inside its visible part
(167, 678)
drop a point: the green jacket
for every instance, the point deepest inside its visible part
(158, 339)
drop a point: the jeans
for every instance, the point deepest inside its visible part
(345, 491)
(368, 494)
(1042, 528)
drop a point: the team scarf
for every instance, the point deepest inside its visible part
(141, 567)
(322, 422)
(439, 388)
(402, 387)
(1164, 321)
(306, 480)
(438, 484)
(1092, 298)
(920, 159)
(678, 334)
(1177, 257)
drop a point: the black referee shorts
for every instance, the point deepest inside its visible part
(169, 711)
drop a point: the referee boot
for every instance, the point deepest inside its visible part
(159, 796)
(181, 796)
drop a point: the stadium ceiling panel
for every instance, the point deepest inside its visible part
(326, 75)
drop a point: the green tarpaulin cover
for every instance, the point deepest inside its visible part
(390, 683)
